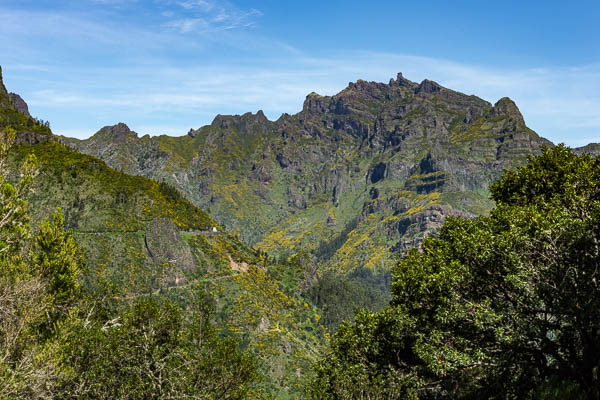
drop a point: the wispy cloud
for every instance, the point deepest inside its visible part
(161, 76)
(559, 103)
(202, 16)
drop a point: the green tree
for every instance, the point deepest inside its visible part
(27, 370)
(154, 349)
(56, 258)
(504, 306)
(14, 228)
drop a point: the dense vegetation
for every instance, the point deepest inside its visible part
(60, 339)
(133, 234)
(20, 122)
(114, 297)
(501, 306)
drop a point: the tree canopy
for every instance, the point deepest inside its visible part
(500, 306)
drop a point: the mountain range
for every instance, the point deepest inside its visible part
(310, 211)
(354, 179)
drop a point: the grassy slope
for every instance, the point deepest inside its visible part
(109, 213)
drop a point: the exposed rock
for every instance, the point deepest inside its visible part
(31, 138)
(377, 173)
(420, 144)
(592, 148)
(118, 133)
(263, 325)
(237, 266)
(19, 104)
(315, 104)
(287, 346)
(505, 107)
(165, 245)
(4, 98)
(246, 123)
(428, 86)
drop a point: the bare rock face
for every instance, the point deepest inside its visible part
(31, 138)
(165, 246)
(4, 98)
(12, 100)
(118, 133)
(428, 86)
(19, 104)
(505, 107)
(242, 123)
(592, 148)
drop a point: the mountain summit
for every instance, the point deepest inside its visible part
(352, 178)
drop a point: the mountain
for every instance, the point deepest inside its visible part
(591, 148)
(15, 113)
(141, 237)
(353, 178)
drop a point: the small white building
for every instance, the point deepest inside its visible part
(214, 229)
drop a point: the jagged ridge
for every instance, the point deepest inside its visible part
(397, 158)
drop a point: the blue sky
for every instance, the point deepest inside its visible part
(165, 66)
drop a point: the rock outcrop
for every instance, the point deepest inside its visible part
(165, 246)
(19, 104)
(4, 97)
(374, 157)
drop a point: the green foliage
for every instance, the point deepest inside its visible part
(20, 122)
(169, 191)
(13, 207)
(60, 339)
(556, 176)
(354, 370)
(505, 306)
(153, 349)
(328, 248)
(101, 199)
(56, 257)
(339, 297)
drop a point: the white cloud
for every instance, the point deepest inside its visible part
(200, 16)
(100, 71)
(205, 5)
(559, 103)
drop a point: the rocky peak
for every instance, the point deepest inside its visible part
(4, 99)
(118, 133)
(402, 81)
(2, 87)
(12, 100)
(19, 103)
(316, 104)
(243, 122)
(505, 107)
(428, 86)
(591, 148)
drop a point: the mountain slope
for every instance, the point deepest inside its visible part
(134, 232)
(142, 237)
(353, 178)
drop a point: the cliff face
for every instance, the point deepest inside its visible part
(353, 177)
(12, 100)
(4, 99)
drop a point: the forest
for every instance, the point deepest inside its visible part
(505, 305)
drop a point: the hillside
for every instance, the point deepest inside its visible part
(353, 178)
(142, 237)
